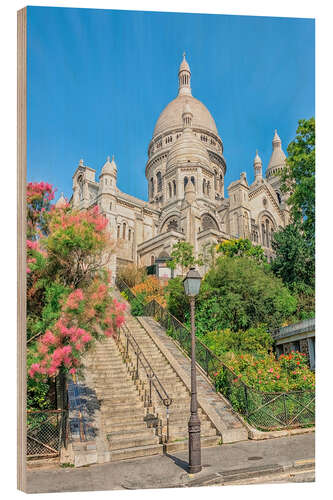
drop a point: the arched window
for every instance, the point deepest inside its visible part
(263, 235)
(152, 260)
(204, 186)
(193, 180)
(129, 234)
(170, 190)
(174, 188)
(152, 186)
(118, 232)
(221, 183)
(80, 183)
(278, 196)
(215, 180)
(185, 181)
(124, 230)
(159, 181)
(208, 222)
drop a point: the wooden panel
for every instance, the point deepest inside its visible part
(21, 243)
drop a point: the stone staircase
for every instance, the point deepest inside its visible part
(120, 421)
(179, 410)
(123, 414)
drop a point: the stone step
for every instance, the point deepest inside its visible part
(182, 444)
(129, 419)
(138, 451)
(125, 426)
(131, 442)
(183, 433)
(118, 400)
(124, 408)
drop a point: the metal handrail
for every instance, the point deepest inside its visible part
(153, 380)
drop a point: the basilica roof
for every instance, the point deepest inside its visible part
(171, 116)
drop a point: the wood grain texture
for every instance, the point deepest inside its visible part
(21, 243)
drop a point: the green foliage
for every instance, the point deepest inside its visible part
(182, 255)
(298, 178)
(177, 301)
(240, 294)
(241, 248)
(137, 305)
(54, 293)
(294, 259)
(294, 263)
(254, 340)
(38, 394)
(289, 373)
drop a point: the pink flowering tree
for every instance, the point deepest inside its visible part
(69, 304)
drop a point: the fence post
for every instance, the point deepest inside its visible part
(285, 410)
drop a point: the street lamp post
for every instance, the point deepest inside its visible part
(192, 287)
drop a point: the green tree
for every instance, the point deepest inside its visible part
(240, 294)
(298, 178)
(294, 259)
(294, 263)
(242, 248)
(182, 255)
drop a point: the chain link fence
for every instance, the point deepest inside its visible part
(265, 411)
(46, 433)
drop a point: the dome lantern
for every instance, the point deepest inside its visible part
(184, 78)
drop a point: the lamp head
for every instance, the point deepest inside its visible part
(192, 283)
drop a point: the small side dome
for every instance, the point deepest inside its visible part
(257, 160)
(109, 167)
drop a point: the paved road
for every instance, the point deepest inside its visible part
(241, 463)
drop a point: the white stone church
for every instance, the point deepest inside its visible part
(185, 172)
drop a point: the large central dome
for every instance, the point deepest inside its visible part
(171, 116)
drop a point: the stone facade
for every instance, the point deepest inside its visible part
(185, 172)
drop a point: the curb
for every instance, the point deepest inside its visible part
(227, 477)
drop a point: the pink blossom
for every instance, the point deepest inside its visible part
(72, 371)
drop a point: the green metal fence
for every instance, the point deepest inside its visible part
(265, 411)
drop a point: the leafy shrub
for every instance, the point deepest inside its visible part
(132, 275)
(239, 294)
(253, 340)
(137, 305)
(149, 290)
(177, 301)
(288, 373)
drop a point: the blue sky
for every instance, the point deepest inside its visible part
(98, 80)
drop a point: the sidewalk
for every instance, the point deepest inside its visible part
(221, 465)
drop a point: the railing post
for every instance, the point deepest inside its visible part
(207, 362)
(137, 364)
(167, 424)
(246, 399)
(150, 400)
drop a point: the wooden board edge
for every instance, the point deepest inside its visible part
(21, 243)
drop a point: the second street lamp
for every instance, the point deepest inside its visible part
(192, 283)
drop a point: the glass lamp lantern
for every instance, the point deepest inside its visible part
(192, 282)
